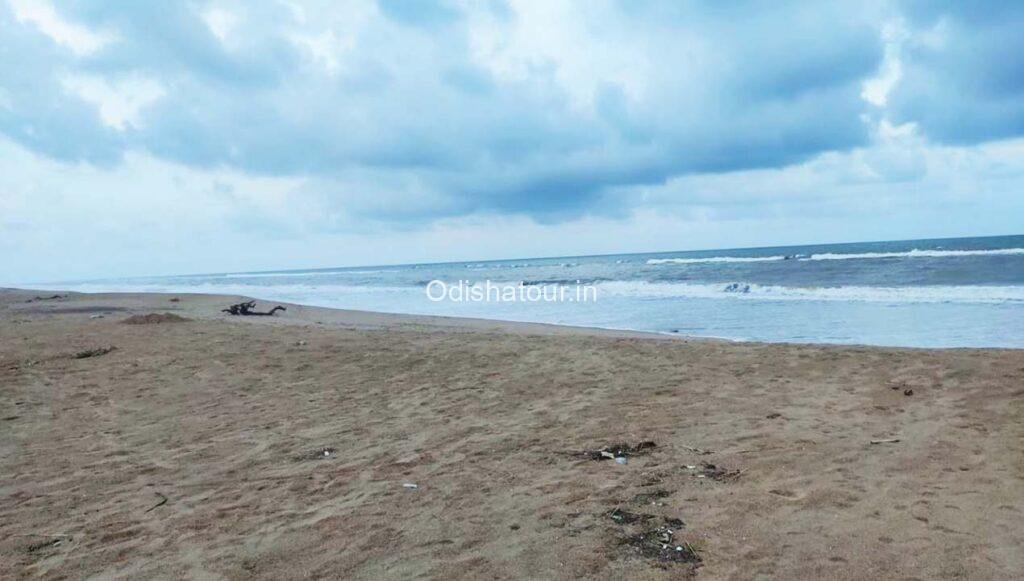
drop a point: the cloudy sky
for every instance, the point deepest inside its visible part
(179, 137)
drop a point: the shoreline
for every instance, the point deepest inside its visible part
(207, 305)
(328, 443)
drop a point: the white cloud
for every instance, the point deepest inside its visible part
(876, 89)
(220, 22)
(120, 103)
(43, 16)
(144, 215)
(296, 9)
(553, 35)
(327, 35)
(325, 49)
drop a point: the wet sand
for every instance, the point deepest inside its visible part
(196, 449)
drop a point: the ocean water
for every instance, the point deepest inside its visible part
(965, 292)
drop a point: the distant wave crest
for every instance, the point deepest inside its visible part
(916, 254)
(715, 259)
(285, 274)
(873, 294)
(839, 256)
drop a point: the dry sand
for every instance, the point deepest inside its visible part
(195, 449)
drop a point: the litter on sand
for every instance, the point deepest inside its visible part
(618, 450)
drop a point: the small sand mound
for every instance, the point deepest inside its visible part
(154, 319)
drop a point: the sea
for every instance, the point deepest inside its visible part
(962, 292)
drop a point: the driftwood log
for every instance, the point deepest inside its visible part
(246, 309)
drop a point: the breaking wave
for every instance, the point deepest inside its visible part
(715, 259)
(299, 274)
(872, 294)
(916, 254)
(839, 256)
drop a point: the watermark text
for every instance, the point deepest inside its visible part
(464, 291)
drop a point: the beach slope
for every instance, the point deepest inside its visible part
(322, 443)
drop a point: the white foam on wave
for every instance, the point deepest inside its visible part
(915, 253)
(715, 259)
(873, 294)
(285, 274)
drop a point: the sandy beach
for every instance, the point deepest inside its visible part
(329, 444)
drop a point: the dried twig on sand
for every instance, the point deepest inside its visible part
(163, 501)
(49, 298)
(246, 309)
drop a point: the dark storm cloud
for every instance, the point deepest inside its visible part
(516, 126)
(967, 84)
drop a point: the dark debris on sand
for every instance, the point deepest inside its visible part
(97, 352)
(654, 542)
(660, 543)
(246, 309)
(50, 542)
(618, 450)
(323, 453)
(709, 470)
(625, 517)
(650, 496)
(47, 298)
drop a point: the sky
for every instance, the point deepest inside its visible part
(174, 137)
